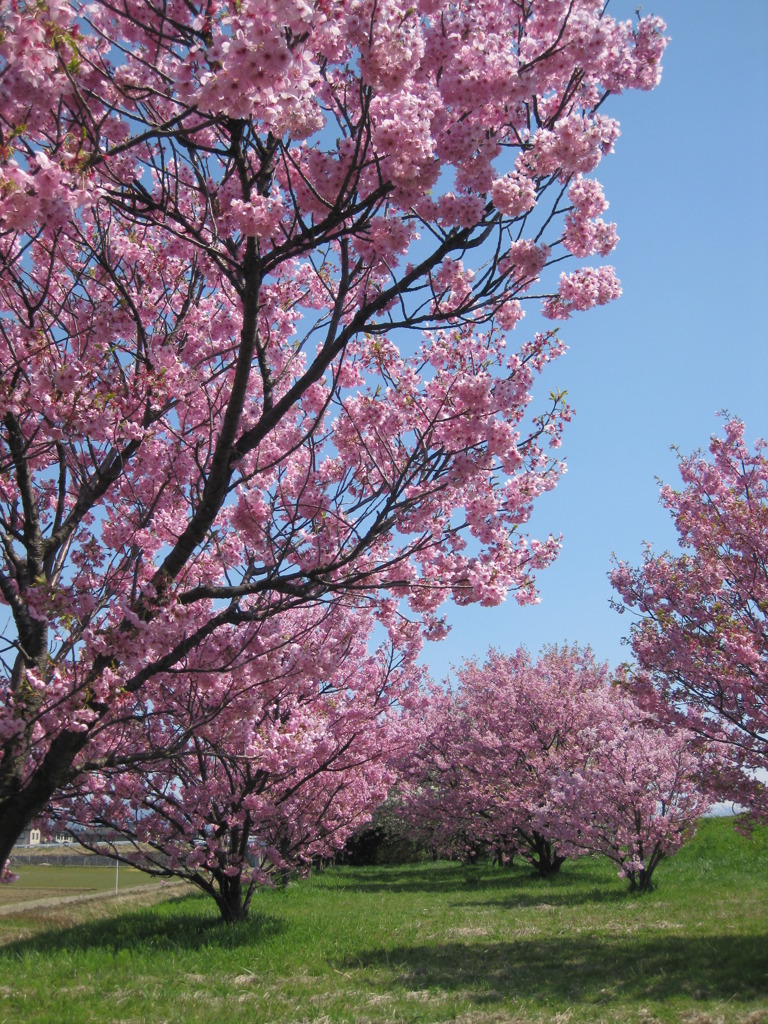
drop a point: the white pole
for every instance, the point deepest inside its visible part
(117, 874)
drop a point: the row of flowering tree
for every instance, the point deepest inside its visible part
(271, 766)
(550, 759)
(259, 262)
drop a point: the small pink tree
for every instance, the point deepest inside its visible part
(260, 773)
(701, 638)
(494, 749)
(636, 798)
(435, 795)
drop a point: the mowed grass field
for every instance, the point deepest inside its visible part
(421, 943)
(39, 881)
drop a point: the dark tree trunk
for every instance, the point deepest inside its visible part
(545, 859)
(13, 821)
(21, 804)
(502, 858)
(641, 881)
(231, 899)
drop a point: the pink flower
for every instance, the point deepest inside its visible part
(514, 194)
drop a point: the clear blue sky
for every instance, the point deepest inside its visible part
(687, 186)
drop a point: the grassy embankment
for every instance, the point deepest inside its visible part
(424, 943)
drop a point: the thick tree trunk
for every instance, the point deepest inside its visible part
(232, 911)
(546, 861)
(20, 804)
(230, 899)
(13, 820)
(641, 881)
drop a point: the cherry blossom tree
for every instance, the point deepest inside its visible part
(258, 266)
(551, 759)
(636, 797)
(701, 638)
(493, 751)
(272, 766)
(432, 798)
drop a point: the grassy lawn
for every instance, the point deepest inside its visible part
(422, 943)
(40, 881)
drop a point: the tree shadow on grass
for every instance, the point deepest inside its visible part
(439, 877)
(181, 925)
(546, 896)
(513, 887)
(587, 969)
(429, 878)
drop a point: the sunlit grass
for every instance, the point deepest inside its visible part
(423, 943)
(39, 881)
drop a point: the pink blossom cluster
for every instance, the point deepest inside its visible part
(583, 289)
(585, 233)
(46, 194)
(526, 260)
(259, 218)
(575, 146)
(513, 194)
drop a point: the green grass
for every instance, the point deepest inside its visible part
(41, 881)
(423, 943)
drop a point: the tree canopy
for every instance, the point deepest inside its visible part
(259, 262)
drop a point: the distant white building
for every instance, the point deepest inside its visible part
(29, 837)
